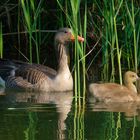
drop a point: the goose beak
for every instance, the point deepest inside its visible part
(79, 38)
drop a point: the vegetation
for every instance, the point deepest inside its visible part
(111, 29)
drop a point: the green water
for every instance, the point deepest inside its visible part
(41, 116)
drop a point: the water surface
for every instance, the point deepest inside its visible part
(55, 116)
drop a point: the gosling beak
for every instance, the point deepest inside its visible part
(138, 78)
(80, 39)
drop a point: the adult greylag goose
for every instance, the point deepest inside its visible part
(21, 75)
(112, 92)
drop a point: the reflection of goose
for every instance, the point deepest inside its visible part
(111, 92)
(62, 100)
(36, 77)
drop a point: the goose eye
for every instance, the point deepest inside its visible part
(65, 31)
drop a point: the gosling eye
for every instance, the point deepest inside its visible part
(133, 76)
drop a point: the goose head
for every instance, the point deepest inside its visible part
(64, 36)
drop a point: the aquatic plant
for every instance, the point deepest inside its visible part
(73, 16)
(110, 28)
(117, 22)
(31, 11)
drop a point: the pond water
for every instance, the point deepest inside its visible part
(55, 116)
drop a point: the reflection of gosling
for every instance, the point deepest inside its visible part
(112, 92)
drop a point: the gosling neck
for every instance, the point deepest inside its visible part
(131, 86)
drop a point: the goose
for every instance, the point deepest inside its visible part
(113, 92)
(22, 75)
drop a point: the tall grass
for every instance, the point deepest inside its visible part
(116, 27)
(79, 59)
(74, 20)
(31, 11)
(131, 15)
(110, 44)
(120, 36)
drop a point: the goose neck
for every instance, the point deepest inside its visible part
(62, 56)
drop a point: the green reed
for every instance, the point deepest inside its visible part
(73, 19)
(119, 30)
(27, 19)
(111, 44)
(79, 59)
(1, 41)
(84, 52)
(131, 15)
(116, 38)
(31, 11)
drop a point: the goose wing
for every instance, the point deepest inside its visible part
(8, 68)
(26, 78)
(47, 70)
(21, 75)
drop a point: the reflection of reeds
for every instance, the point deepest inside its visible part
(1, 41)
(79, 126)
(30, 132)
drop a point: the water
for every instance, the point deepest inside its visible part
(54, 116)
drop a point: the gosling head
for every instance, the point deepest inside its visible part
(130, 77)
